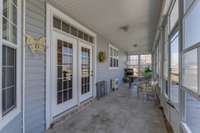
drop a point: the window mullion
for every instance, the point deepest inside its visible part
(9, 19)
(10, 44)
(5, 89)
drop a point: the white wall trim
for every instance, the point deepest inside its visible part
(50, 12)
(48, 65)
(23, 71)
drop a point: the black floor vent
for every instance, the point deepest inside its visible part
(101, 89)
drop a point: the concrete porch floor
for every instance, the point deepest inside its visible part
(120, 112)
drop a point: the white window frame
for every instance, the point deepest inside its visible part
(4, 120)
(185, 50)
(132, 66)
(129, 60)
(110, 56)
(192, 47)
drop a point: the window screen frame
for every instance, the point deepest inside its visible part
(5, 119)
(190, 48)
(167, 36)
(196, 46)
(139, 64)
(173, 3)
(175, 34)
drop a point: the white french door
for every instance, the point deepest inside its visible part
(64, 73)
(85, 71)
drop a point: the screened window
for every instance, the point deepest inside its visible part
(133, 63)
(157, 61)
(190, 70)
(139, 62)
(192, 113)
(190, 64)
(173, 17)
(191, 23)
(133, 60)
(187, 4)
(174, 69)
(145, 62)
(114, 57)
(10, 53)
(166, 50)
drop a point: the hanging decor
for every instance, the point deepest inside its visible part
(101, 57)
(37, 46)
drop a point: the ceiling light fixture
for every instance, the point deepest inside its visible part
(135, 45)
(125, 28)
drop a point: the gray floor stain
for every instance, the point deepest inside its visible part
(120, 112)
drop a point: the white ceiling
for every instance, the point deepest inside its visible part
(107, 16)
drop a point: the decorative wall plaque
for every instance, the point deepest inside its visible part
(101, 57)
(37, 46)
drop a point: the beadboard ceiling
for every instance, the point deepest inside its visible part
(107, 16)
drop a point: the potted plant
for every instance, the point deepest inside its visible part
(147, 72)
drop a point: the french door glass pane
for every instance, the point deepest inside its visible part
(64, 71)
(9, 79)
(191, 22)
(190, 70)
(85, 70)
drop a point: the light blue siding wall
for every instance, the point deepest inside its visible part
(15, 126)
(103, 70)
(35, 72)
(35, 69)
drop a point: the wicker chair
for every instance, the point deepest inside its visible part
(147, 90)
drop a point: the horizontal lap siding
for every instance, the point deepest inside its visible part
(103, 70)
(15, 126)
(35, 69)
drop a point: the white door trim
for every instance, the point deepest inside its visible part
(50, 11)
